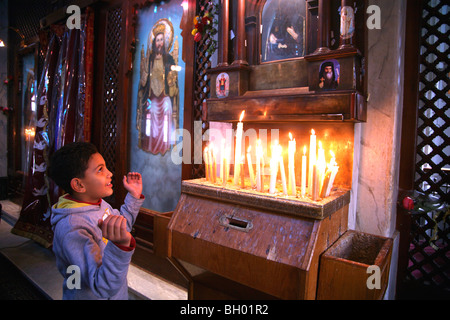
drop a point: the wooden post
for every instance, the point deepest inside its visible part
(224, 33)
(323, 38)
(239, 53)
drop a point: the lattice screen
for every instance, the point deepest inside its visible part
(111, 90)
(429, 249)
(202, 79)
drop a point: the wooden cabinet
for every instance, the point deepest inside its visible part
(226, 239)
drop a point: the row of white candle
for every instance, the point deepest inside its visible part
(320, 175)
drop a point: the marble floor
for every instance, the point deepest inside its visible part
(39, 267)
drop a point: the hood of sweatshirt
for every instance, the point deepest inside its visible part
(67, 207)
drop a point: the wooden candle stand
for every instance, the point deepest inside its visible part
(241, 244)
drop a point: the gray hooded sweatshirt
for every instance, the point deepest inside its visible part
(92, 267)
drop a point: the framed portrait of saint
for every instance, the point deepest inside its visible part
(329, 75)
(283, 35)
(158, 92)
(157, 99)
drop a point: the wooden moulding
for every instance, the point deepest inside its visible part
(289, 205)
(290, 105)
(343, 272)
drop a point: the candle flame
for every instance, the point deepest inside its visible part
(313, 132)
(290, 136)
(29, 133)
(249, 149)
(333, 160)
(304, 150)
(242, 116)
(320, 144)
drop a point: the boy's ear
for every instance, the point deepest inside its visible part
(77, 185)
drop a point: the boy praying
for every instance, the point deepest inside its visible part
(91, 238)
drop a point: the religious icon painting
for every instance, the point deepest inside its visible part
(157, 102)
(329, 75)
(283, 30)
(158, 92)
(222, 85)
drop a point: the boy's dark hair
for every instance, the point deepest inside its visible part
(70, 161)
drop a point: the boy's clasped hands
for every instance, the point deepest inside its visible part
(114, 227)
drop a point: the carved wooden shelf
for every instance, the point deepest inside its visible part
(285, 105)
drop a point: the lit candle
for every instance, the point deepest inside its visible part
(250, 167)
(315, 184)
(258, 165)
(226, 168)
(238, 146)
(205, 156)
(332, 177)
(304, 172)
(222, 158)
(242, 172)
(263, 168)
(327, 176)
(321, 164)
(273, 175)
(282, 171)
(312, 159)
(210, 164)
(333, 168)
(273, 168)
(333, 159)
(213, 162)
(224, 172)
(291, 154)
(325, 184)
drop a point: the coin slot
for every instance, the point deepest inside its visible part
(236, 223)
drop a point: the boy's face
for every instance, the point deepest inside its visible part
(97, 180)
